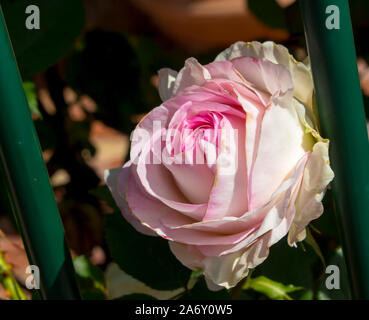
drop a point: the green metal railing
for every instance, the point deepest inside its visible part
(31, 193)
(341, 111)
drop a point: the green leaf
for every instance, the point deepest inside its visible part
(148, 259)
(196, 273)
(61, 21)
(287, 264)
(90, 279)
(31, 95)
(269, 12)
(272, 289)
(311, 241)
(85, 269)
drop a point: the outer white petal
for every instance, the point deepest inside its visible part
(317, 176)
(225, 271)
(171, 82)
(193, 73)
(300, 72)
(281, 145)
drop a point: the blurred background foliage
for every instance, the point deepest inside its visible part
(90, 74)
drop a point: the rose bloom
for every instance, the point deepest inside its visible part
(229, 163)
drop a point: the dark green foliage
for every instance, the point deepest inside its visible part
(90, 278)
(106, 68)
(61, 22)
(291, 266)
(201, 292)
(145, 258)
(269, 12)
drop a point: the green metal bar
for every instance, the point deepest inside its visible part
(36, 210)
(341, 111)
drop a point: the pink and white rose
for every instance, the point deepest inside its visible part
(229, 163)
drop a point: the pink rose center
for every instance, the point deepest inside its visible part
(204, 126)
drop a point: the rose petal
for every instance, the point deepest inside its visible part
(317, 176)
(228, 195)
(227, 270)
(300, 72)
(116, 179)
(167, 78)
(275, 217)
(264, 75)
(281, 145)
(193, 73)
(152, 212)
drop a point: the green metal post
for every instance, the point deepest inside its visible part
(33, 198)
(341, 110)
